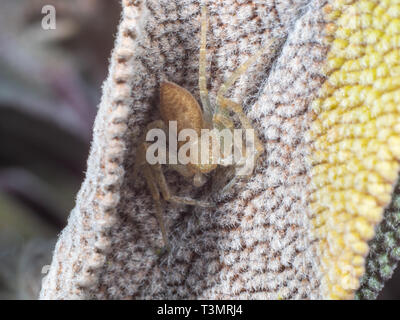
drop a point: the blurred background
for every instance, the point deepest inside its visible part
(50, 85)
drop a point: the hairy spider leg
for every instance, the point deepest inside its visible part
(157, 183)
(244, 121)
(235, 75)
(165, 191)
(220, 117)
(205, 100)
(151, 184)
(160, 177)
(236, 108)
(141, 153)
(222, 120)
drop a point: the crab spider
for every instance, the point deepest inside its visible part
(178, 104)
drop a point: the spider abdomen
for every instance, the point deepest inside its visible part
(178, 104)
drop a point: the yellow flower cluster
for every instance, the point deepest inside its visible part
(355, 137)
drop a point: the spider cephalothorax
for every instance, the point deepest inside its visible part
(177, 104)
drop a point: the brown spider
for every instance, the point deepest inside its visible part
(178, 104)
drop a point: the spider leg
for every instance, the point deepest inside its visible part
(152, 185)
(222, 121)
(166, 193)
(142, 165)
(237, 73)
(226, 104)
(182, 169)
(157, 183)
(244, 121)
(205, 100)
(159, 176)
(141, 152)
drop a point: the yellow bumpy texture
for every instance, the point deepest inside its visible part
(355, 137)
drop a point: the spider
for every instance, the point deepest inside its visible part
(178, 104)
